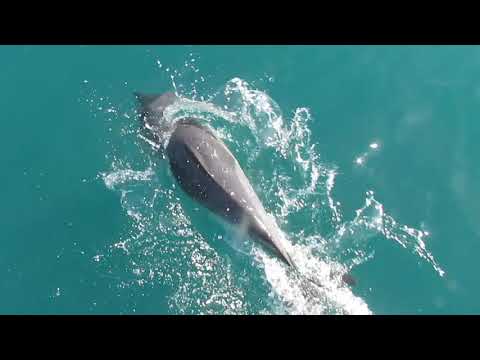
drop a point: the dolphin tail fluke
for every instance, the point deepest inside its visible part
(145, 99)
(151, 109)
(154, 104)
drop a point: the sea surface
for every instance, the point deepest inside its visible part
(366, 156)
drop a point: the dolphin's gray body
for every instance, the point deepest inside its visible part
(209, 173)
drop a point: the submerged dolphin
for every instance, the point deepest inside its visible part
(209, 173)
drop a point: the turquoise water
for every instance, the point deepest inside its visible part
(365, 155)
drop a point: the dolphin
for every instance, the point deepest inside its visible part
(209, 173)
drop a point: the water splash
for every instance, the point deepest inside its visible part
(164, 248)
(371, 221)
(117, 178)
